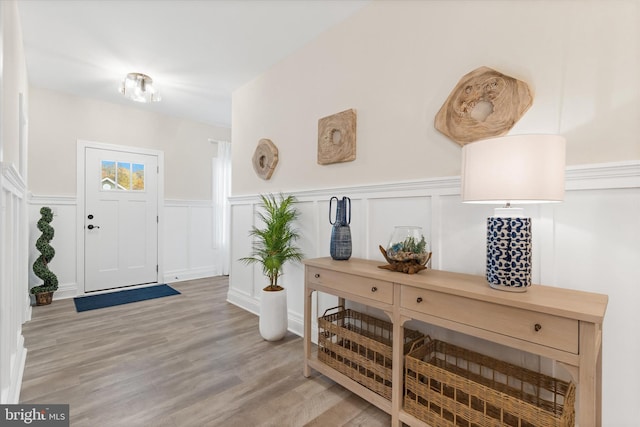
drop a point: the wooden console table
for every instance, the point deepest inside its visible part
(560, 324)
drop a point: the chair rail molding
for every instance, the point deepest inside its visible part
(603, 176)
(456, 231)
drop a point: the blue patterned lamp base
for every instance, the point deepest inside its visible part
(509, 253)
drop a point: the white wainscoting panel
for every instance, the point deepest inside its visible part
(459, 236)
(176, 220)
(242, 292)
(189, 252)
(596, 242)
(384, 213)
(15, 308)
(588, 242)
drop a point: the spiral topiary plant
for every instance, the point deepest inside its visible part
(40, 266)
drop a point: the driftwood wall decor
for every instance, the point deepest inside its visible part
(485, 103)
(337, 138)
(265, 158)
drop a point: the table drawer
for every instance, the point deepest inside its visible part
(374, 289)
(540, 328)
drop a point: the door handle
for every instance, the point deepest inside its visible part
(91, 226)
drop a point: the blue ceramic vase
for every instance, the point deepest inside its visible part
(340, 247)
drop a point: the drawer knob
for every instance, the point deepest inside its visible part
(374, 289)
(419, 300)
(317, 275)
(537, 327)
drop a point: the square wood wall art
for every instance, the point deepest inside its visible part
(337, 138)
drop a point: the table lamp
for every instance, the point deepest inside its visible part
(518, 169)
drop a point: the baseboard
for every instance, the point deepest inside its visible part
(180, 275)
(66, 290)
(27, 308)
(20, 359)
(296, 324)
(71, 290)
(244, 301)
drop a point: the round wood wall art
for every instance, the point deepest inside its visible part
(485, 103)
(337, 138)
(265, 158)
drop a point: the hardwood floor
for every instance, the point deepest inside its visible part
(186, 360)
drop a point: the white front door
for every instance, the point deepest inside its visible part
(120, 219)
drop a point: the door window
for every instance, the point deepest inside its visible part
(123, 176)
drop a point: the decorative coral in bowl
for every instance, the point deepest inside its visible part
(407, 250)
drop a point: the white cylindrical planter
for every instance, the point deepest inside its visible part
(273, 315)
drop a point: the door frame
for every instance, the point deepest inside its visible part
(80, 208)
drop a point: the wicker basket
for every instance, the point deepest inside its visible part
(448, 386)
(359, 346)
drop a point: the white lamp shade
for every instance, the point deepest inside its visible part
(514, 169)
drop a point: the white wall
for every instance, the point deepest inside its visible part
(589, 242)
(395, 62)
(14, 83)
(58, 121)
(14, 294)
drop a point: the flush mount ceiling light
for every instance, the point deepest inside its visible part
(139, 87)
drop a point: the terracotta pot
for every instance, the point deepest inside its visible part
(44, 298)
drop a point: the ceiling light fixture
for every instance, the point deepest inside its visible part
(139, 87)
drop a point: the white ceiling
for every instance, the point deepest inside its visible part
(197, 52)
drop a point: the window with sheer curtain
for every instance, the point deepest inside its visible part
(221, 192)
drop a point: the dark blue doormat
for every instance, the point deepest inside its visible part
(93, 302)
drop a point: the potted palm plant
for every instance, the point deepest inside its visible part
(273, 246)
